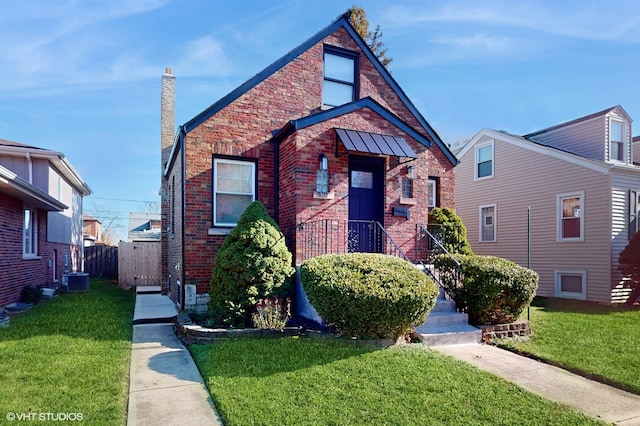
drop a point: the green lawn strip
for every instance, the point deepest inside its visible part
(302, 381)
(601, 341)
(70, 354)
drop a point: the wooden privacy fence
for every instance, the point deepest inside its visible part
(101, 261)
(139, 264)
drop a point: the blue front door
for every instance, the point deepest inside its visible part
(366, 203)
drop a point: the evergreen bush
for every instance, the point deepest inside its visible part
(368, 295)
(253, 263)
(492, 290)
(629, 265)
(450, 230)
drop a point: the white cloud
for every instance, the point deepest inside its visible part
(591, 20)
(203, 57)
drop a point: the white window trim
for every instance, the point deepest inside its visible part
(481, 223)
(34, 234)
(559, 198)
(432, 188)
(566, 294)
(493, 164)
(216, 161)
(625, 142)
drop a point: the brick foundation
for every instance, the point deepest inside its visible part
(504, 331)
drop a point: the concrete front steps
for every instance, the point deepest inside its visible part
(444, 326)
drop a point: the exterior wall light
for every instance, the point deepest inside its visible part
(322, 177)
(411, 172)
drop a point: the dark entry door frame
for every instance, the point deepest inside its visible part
(366, 203)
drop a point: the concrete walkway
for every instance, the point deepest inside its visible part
(165, 386)
(600, 401)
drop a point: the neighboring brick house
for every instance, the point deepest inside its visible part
(91, 230)
(324, 138)
(40, 218)
(564, 200)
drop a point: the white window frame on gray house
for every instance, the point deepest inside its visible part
(340, 80)
(482, 160)
(617, 144)
(30, 233)
(233, 189)
(560, 277)
(568, 212)
(488, 223)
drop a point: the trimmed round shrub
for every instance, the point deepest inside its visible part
(253, 263)
(492, 290)
(368, 295)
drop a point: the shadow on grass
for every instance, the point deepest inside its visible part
(554, 304)
(102, 313)
(253, 357)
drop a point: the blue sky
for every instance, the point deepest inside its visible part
(83, 77)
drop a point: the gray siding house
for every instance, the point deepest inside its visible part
(563, 201)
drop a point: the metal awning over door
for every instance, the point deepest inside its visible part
(374, 143)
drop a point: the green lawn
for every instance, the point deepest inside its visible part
(594, 339)
(70, 354)
(304, 381)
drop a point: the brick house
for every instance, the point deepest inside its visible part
(40, 218)
(324, 138)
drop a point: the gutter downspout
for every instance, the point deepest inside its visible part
(183, 161)
(276, 178)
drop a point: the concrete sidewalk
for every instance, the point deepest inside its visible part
(165, 386)
(593, 398)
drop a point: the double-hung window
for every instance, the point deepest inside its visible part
(340, 77)
(571, 216)
(30, 233)
(616, 141)
(484, 161)
(488, 223)
(234, 188)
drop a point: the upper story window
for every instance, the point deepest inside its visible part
(571, 217)
(234, 188)
(30, 233)
(484, 161)
(617, 139)
(340, 77)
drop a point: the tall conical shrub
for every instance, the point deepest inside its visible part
(253, 263)
(450, 230)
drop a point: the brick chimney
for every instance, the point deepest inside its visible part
(167, 114)
(167, 132)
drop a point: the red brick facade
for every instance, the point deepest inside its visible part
(245, 127)
(16, 271)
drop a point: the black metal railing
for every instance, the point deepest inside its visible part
(435, 239)
(432, 244)
(333, 236)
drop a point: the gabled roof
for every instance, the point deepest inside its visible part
(341, 22)
(310, 120)
(579, 120)
(16, 187)
(56, 158)
(530, 145)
